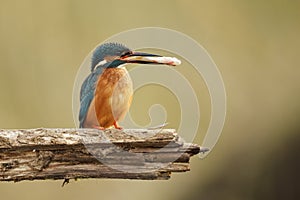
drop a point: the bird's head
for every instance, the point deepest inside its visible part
(111, 55)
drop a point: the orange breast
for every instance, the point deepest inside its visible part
(112, 96)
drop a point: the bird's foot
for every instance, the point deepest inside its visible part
(116, 126)
(99, 127)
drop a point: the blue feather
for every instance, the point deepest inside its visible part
(106, 49)
(87, 93)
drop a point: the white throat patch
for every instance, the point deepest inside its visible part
(103, 62)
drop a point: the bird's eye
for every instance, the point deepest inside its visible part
(125, 54)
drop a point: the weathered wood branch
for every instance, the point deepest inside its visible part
(32, 154)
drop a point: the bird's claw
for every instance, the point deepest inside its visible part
(117, 127)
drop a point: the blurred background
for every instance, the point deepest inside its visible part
(255, 44)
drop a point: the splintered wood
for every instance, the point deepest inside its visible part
(40, 154)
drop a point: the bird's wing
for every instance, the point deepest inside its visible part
(87, 94)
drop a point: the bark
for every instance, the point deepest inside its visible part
(40, 154)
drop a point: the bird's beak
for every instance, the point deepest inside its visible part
(145, 58)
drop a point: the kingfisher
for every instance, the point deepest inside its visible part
(106, 93)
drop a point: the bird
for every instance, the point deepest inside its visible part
(106, 93)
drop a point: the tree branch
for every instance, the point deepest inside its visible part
(32, 154)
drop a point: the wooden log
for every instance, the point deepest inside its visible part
(43, 153)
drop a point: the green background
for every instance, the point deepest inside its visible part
(255, 45)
